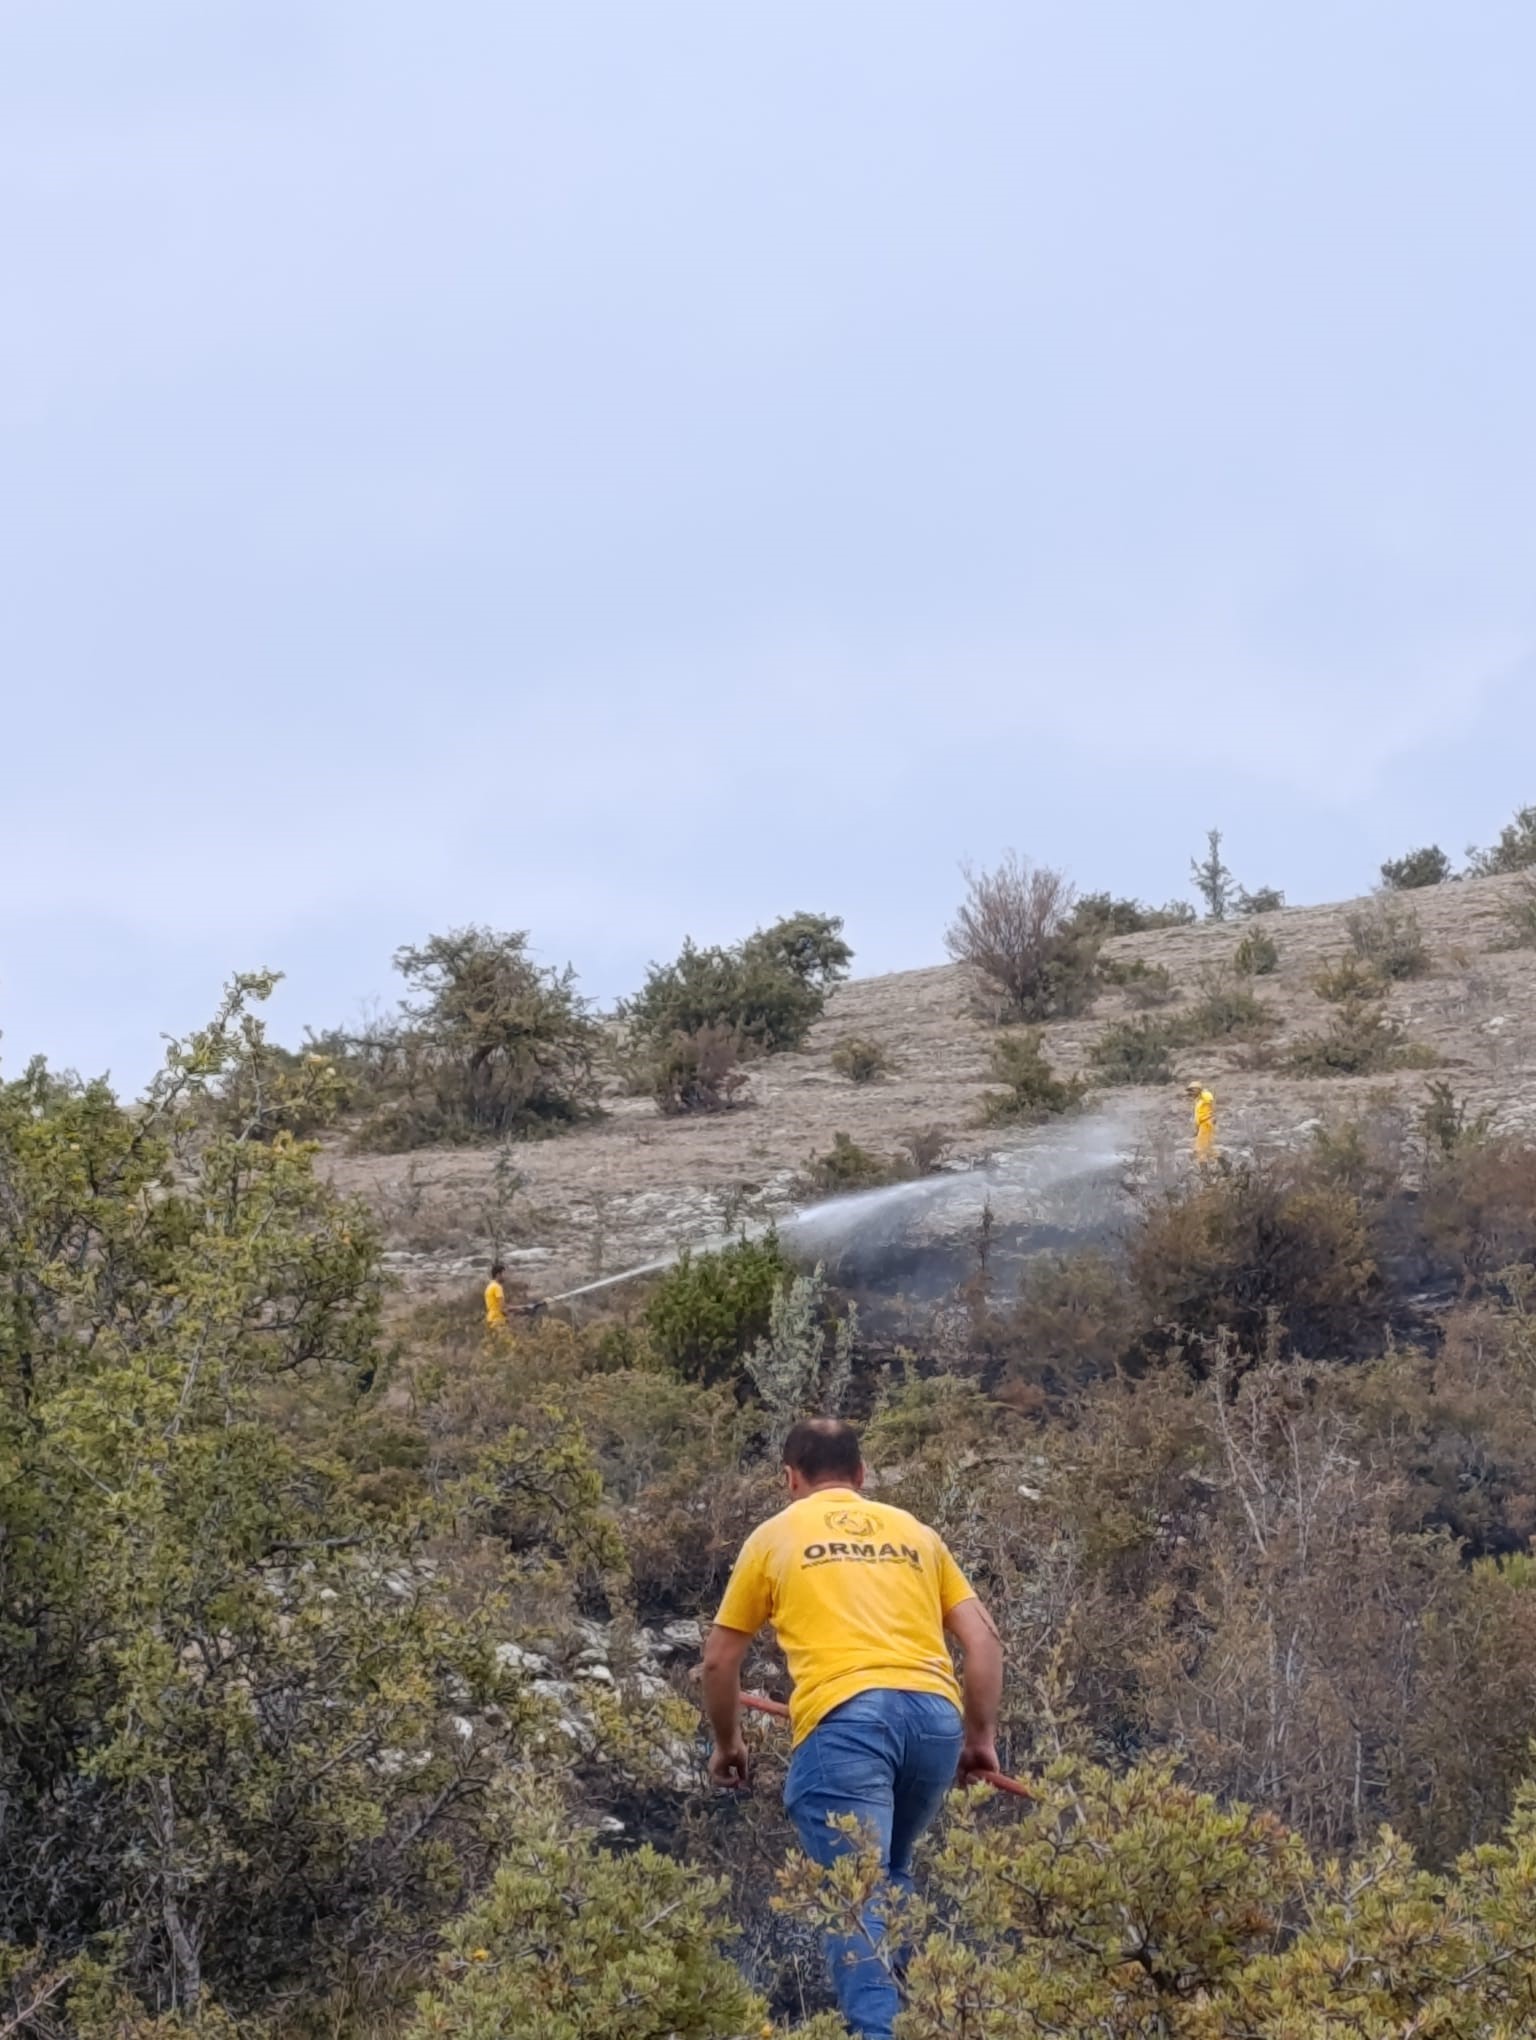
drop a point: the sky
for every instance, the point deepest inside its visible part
(624, 469)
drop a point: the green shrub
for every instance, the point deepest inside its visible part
(1016, 930)
(1362, 1041)
(1388, 938)
(1267, 899)
(1419, 868)
(1257, 955)
(491, 1046)
(1514, 851)
(707, 1310)
(1518, 913)
(698, 1072)
(862, 1060)
(768, 990)
(846, 1166)
(1135, 1052)
(1102, 915)
(1448, 1124)
(1226, 1010)
(1033, 1090)
(1349, 982)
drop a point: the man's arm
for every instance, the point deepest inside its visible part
(724, 1653)
(976, 1633)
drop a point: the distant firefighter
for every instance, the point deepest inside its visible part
(496, 1298)
(1205, 1121)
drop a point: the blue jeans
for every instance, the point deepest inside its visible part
(888, 1758)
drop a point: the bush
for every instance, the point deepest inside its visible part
(1135, 1052)
(1267, 899)
(794, 1374)
(1033, 1090)
(1348, 982)
(1363, 1041)
(1016, 930)
(1419, 868)
(1514, 851)
(768, 990)
(1518, 913)
(1227, 1010)
(707, 1310)
(1101, 915)
(924, 1148)
(1252, 1250)
(698, 1072)
(1073, 1320)
(1257, 955)
(492, 1046)
(1144, 984)
(846, 1166)
(1388, 938)
(861, 1060)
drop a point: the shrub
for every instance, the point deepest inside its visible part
(1266, 899)
(794, 1374)
(1144, 984)
(1135, 1052)
(1448, 1124)
(1257, 955)
(492, 1045)
(1227, 1009)
(846, 1166)
(1073, 1319)
(1101, 915)
(1249, 1249)
(861, 1059)
(1363, 1041)
(1349, 982)
(1033, 1090)
(1419, 868)
(1514, 851)
(1518, 913)
(1388, 938)
(767, 990)
(1213, 879)
(1015, 929)
(697, 1072)
(924, 1148)
(707, 1310)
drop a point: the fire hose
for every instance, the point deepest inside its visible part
(995, 1779)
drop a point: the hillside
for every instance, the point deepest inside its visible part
(634, 1186)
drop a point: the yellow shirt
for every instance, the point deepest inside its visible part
(495, 1303)
(1205, 1113)
(857, 1593)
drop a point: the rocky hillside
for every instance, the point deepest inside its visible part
(635, 1186)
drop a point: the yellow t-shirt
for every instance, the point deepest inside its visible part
(495, 1304)
(1205, 1113)
(857, 1593)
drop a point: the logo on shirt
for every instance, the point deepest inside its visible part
(850, 1523)
(862, 1551)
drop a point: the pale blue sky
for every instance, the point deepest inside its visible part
(624, 468)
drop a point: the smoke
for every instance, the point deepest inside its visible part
(1064, 1185)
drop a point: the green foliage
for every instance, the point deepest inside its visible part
(1514, 851)
(845, 1166)
(707, 1311)
(1266, 899)
(1144, 984)
(272, 1090)
(573, 1942)
(1033, 1092)
(1257, 955)
(229, 1697)
(1213, 880)
(1073, 1321)
(791, 1368)
(1417, 869)
(767, 991)
(697, 1072)
(1362, 1041)
(1017, 930)
(1135, 1052)
(1227, 1009)
(1448, 1124)
(1102, 915)
(861, 1059)
(489, 1045)
(1388, 938)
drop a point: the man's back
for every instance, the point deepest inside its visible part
(857, 1593)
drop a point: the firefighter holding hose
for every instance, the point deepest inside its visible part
(1204, 1104)
(861, 1597)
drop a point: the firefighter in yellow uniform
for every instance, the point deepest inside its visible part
(496, 1298)
(1205, 1122)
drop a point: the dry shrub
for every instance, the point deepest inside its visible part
(861, 1059)
(698, 1072)
(1144, 984)
(1257, 955)
(924, 1148)
(1033, 1092)
(1016, 930)
(1477, 1211)
(1388, 937)
(1257, 1252)
(1074, 1320)
(1518, 913)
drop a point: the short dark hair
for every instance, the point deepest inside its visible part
(823, 1448)
(498, 1268)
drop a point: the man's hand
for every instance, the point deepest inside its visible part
(978, 1759)
(729, 1764)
